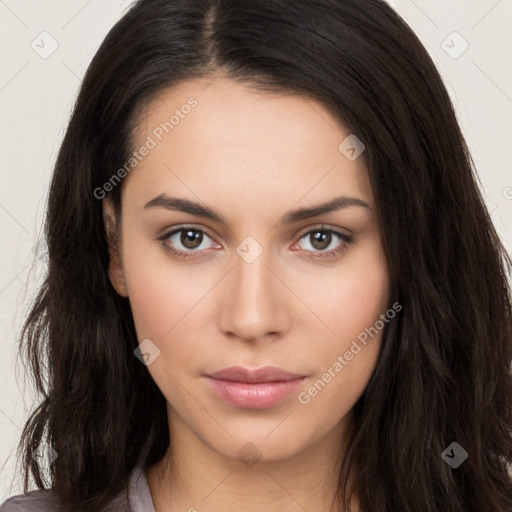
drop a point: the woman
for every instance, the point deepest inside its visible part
(273, 283)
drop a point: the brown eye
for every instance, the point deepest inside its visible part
(320, 239)
(191, 238)
(187, 242)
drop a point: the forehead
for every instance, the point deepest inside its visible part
(228, 137)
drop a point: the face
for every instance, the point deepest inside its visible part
(227, 264)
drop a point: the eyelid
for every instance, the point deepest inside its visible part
(325, 227)
(166, 233)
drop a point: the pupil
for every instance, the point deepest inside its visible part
(190, 238)
(323, 237)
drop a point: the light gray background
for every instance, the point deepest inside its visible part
(36, 96)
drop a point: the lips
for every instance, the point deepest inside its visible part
(254, 389)
(265, 374)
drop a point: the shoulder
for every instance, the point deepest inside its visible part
(33, 501)
(46, 501)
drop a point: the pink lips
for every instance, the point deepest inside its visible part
(254, 389)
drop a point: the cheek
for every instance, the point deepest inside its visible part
(352, 310)
(351, 298)
(164, 299)
(161, 293)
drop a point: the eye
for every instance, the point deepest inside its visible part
(185, 241)
(321, 238)
(188, 239)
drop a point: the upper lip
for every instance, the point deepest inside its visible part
(264, 374)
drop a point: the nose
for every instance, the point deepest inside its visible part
(254, 305)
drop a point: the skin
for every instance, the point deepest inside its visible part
(251, 157)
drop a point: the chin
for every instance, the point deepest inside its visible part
(262, 445)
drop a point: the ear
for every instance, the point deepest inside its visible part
(115, 267)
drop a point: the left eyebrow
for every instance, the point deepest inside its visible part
(338, 203)
(197, 209)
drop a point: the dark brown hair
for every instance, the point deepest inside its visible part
(444, 372)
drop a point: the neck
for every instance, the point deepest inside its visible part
(194, 477)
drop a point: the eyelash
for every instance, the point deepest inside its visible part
(345, 240)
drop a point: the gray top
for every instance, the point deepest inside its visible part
(45, 501)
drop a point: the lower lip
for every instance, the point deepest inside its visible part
(261, 395)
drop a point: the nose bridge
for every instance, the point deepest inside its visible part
(252, 306)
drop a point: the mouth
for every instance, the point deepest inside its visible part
(261, 388)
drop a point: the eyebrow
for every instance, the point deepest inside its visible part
(187, 206)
